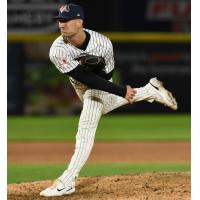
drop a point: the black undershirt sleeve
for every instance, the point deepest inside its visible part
(94, 81)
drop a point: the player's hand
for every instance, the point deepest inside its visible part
(130, 93)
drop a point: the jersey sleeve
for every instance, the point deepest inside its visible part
(110, 63)
(63, 61)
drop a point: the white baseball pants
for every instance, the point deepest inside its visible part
(95, 104)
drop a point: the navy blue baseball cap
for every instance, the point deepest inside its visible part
(70, 11)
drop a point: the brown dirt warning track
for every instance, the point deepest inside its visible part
(102, 152)
(145, 186)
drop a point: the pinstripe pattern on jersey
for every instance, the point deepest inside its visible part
(63, 54)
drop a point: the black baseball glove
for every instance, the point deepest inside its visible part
(91, 62)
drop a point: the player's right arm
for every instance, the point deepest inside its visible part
(65, 64)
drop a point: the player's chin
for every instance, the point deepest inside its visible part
(64, 34)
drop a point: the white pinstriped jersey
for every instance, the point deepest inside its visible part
(63, 55)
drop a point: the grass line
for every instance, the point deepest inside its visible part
(111, 128)
(34, 172)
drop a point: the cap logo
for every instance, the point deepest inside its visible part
(64, 8)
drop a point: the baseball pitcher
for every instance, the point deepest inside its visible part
(86, 57)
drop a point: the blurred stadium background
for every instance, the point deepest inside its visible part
(150, 38)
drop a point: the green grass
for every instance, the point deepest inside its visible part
(111, 128)
(33, 172)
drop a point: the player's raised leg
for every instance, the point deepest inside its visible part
(153, 91)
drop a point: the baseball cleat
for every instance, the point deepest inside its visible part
(58, 189)
(162, 95)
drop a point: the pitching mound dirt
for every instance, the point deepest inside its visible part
(147, 186)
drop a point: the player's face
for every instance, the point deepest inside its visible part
(70, 27)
